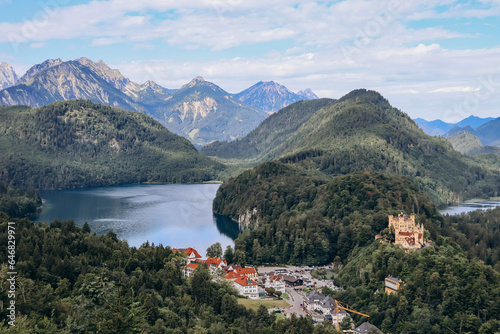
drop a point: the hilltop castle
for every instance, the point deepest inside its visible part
(407, 233)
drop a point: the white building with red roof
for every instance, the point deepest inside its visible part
(247, 287)
(191, 253)
(232, 276)
(248, 272)
(216, 262)
(275, 282)
(188, 270)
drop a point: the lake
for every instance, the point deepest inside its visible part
(176, 215)
(469, 206)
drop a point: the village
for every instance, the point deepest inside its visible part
(296, 285)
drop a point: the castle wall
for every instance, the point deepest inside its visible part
(407, 233)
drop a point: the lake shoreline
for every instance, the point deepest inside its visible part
(471, 205)
(178, 215)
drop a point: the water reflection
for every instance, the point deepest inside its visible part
(177, 215)
(227, 226)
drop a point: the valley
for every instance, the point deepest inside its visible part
(200, 110)
(305, 182)
(249, 167)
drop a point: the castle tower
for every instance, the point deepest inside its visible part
(406, 232)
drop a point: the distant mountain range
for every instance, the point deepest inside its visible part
(271, 96)
(8, 76)
(204, 112)
(200, 111)
(488, 133)
(439, 127)
(472, 135)
(75, 144)
(359, 132)
(466, 143)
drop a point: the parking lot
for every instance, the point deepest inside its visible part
(296, 293)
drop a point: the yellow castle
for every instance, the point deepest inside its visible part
(407, 233)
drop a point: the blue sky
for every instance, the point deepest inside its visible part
(431, 59)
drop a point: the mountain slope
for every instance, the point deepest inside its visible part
(203, 112)
(8, 76)
(39, 68)
(77, 79)
(466, 143)
(271, 96)
(76, 144)
(199, 111)
(270, 134)
(361, 131)
(440, 128)
(488, 133)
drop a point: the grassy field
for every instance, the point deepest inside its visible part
(254, 304)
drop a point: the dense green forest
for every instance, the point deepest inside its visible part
(477, 233)
(72, 281)
(18, 203)
(363, 132)
(299, 219)
(267, 135)
(451, 285)
(75, 144)
(444, 292)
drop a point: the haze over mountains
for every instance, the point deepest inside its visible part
(472, 135)
(8, 76)
(440, 128)
(200, 111)
(467, 143)
(271, 96)
(360, 132)
(75, 144)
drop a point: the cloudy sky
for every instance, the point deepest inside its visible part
(430, 58)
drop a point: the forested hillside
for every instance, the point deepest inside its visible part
(450, 286)
(444, 292)
(72, 281)
(18, 203)
(466, 143)
(477, 233)
(76, 144)
(362, 132)
(269, 135)
(301, 219)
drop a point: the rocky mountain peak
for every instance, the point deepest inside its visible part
(111, 76)
(152, 86)
(270, 96)
(39, 68)
(196, 81)
(8, 76)
(308, 94)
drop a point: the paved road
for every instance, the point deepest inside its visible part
(295, 299)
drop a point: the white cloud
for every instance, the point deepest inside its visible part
(331, 49)
(105, 41)
(454, 89)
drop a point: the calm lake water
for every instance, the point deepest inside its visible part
(469, 206)
(176, 215)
